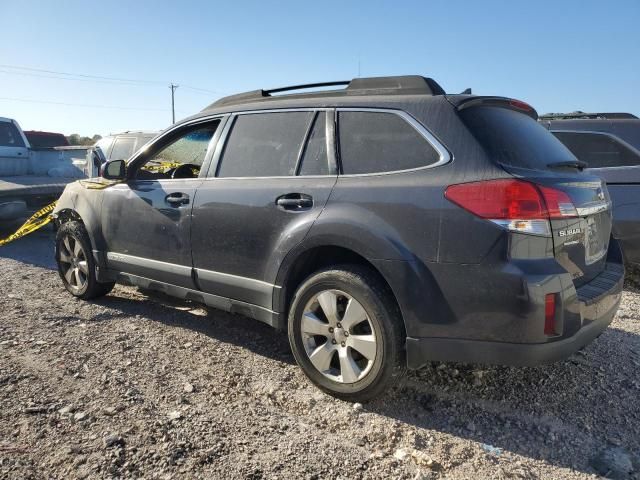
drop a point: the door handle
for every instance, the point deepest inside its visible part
(295, 201)
(177, 199)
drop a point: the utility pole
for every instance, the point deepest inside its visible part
(173, 87)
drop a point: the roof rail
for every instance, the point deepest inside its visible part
(583, 115)
(405, 85)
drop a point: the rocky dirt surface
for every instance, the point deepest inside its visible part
(137, 386)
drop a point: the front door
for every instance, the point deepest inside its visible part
(272, 180)
(14, 154)
(146, 221)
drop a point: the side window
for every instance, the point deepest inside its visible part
(598, 150)
(182, 157)
(264, 144)
(314, 159)
(376, 142)
(122, 148)
(10, 136)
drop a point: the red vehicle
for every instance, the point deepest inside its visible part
(46, 139)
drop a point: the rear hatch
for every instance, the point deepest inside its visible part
(578, 202)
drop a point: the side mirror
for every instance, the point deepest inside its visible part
(114, 170)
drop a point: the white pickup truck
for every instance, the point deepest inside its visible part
(33, 177)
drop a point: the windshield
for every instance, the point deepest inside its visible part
(513, 138)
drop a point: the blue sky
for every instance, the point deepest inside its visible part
(557, 55)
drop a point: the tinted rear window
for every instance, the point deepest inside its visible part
(374, 142)
(46, 140)
(599, 150)
(264, 144)
(513, 138)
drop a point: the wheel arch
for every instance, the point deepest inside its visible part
(298, 265)
(82, 205)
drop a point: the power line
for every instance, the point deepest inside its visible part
(116, 107)
(54, 74)
(83, 75)
(40, 75)
(202, 90)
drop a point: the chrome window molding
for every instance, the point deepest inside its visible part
(443, 153)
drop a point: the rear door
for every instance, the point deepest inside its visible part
(14, 154)
(267, 185)
(146, 221)
(524, 148)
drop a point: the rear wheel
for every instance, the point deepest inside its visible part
(76, 266)
(346, 333)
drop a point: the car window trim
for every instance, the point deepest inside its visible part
(214, 167)
(614, 137)
(443, 153)
(222, 118)
(304, 144)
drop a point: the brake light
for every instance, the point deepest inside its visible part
(513, 204)
(519, 104)
(550, 314)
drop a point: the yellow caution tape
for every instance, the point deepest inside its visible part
(160, 166)
(96, 184)
(36, 221)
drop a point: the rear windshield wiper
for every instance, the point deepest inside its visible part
(579, 164)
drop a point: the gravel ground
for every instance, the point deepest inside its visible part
(138, 385)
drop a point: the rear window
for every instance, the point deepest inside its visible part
(375, 142)
(264, 144)
(513, 138)
(46, 140)
(10, 136)
(599, 150)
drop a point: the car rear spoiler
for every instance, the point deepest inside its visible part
(503, 102)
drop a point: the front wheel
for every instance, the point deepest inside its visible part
(346, 333)
(76, 266)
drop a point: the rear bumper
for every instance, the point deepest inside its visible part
(423, 350)
(584, 313)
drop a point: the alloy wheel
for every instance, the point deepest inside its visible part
(73, 263)
(338, 336)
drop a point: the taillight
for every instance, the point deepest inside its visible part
(513, 204)
(559, 205)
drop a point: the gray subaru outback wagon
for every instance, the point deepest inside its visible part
(384, 225)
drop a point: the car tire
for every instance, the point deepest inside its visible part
(76, 265)
(356, 350)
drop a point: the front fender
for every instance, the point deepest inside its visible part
(80, 202)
